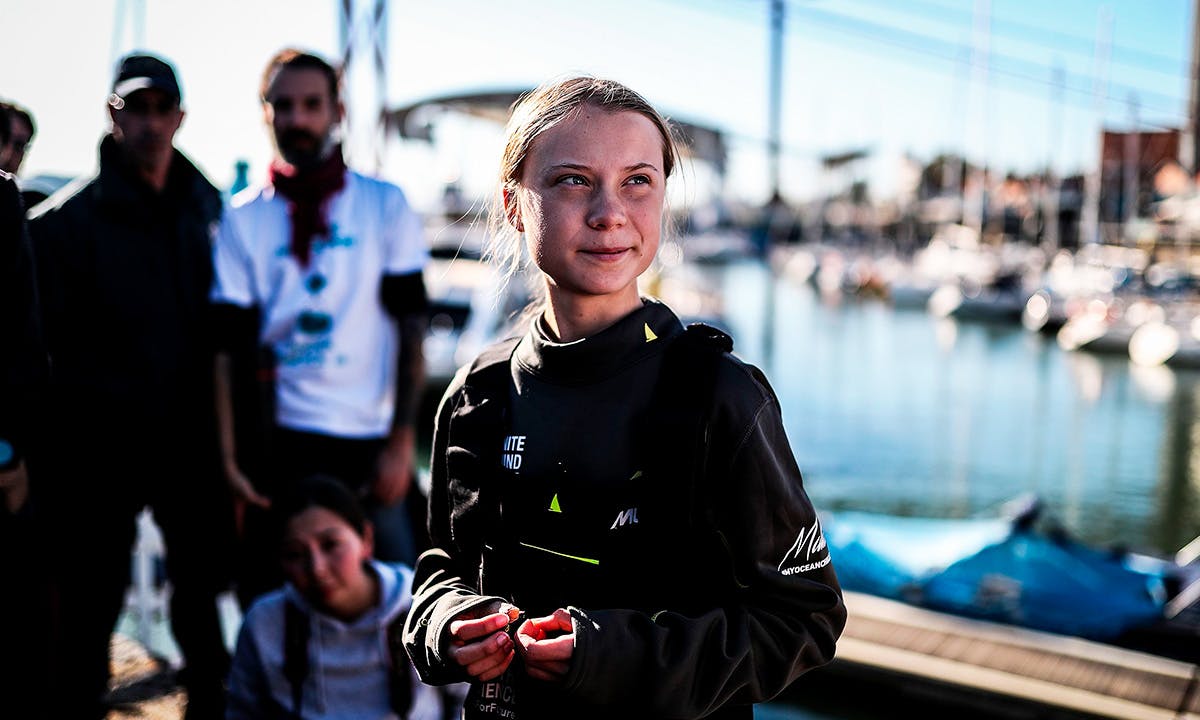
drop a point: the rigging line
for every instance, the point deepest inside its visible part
(1148, 61)
(1075, 96)
(888, 35)
(1057, 40)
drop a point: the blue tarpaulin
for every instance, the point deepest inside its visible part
(1048, 584)
(990, 569)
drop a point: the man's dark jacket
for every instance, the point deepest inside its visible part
(23, 361)
(124, 274)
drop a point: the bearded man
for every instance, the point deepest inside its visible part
(322, 267)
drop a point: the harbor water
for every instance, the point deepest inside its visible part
(899, 412)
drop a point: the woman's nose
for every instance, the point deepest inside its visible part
(607, 211)
(316, 565)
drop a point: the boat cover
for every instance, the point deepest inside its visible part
(991, 569)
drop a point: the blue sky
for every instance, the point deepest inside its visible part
(884, 75)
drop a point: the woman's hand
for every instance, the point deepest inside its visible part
(546, 645)
(243, 488)
(394, 469)
(480, 642)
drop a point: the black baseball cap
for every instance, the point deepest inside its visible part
(141, 72)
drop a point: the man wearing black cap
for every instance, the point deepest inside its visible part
(124, 268)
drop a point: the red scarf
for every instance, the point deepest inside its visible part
(308, 192)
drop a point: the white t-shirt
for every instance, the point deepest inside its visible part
(335, 346)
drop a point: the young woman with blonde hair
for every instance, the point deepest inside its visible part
(618, 523)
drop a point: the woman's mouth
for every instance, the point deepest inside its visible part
(606, 254)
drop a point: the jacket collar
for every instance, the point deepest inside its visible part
(628, 341)
(117, 185)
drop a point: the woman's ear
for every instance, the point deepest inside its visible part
(512, 208)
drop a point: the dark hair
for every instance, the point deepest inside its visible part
(293, 59)
(5, 124)
(23, 113)
(323, 491)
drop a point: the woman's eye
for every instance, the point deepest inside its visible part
(639, 180)
(330, 545)
(572, 180)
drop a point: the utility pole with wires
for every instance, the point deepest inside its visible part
(362, 35)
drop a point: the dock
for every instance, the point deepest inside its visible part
(1027, 667)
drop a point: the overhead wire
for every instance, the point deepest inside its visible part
(1048, 38)
(1078, 89)
(997, 64)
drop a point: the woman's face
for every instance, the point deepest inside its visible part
(590, 202)
(323, 557)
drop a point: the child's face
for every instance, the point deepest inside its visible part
(591, 202)
(323, 557)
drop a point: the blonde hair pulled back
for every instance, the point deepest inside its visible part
(538, 111)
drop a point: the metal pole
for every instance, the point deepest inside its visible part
(118, 34)
(345, 23)
(129, 18)
(979, 65)
(1190, 148)
(1089, 225)
(954, 168)
(364, 115)
(139, 24)
(1131, 176)
(1053, 189)
(379, 33)
(775, 106)
(774, 125)
(346, 49)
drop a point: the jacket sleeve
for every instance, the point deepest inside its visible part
(443, 586)
(23, 366)
(59, 274)
(786, 613)
(249, 696)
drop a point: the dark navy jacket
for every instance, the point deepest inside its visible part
(124, 275)
(568, 497)
(23, 361)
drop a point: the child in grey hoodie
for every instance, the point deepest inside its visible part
(326, 645)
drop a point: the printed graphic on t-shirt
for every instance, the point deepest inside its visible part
(335, 240)
(311, 339)
(807, 553)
